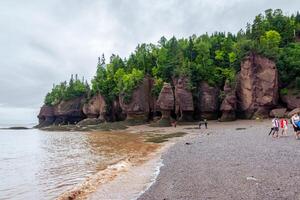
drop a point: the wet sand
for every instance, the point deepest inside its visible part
(138, 157)
(233, 160)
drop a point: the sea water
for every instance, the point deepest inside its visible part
(36, 164)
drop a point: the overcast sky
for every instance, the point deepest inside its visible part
(43, 42)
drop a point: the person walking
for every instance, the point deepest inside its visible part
(205, 123)
(275, 128)
(283, 126)
(296, 124)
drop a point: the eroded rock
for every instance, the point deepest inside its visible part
(46, 116)
(208, 101)
(139, 106)
(184, 106)
(228, 106)
(278, 112)
(95, 107)
(257, 88)
(165, 103)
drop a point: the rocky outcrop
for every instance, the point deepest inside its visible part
(278, 112)
(184, 106)
(95, 107)
(228, 106)
(208, 103)
(139, 106)
(70, 111)
(46, 116)
(257, 88)
(165, 104)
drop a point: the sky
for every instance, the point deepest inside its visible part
(44, 42)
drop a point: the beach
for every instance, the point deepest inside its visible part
(232, 160)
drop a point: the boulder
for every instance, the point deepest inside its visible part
(295, 111)
(46, 116)
(257, 87)
(278, 112)
(228, 106)
(208, 103)
(165, 104)
(95, 107)
(139, 106)
(292, 99)
(69, 111)
(184, 106)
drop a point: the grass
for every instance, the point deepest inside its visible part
(160, 138)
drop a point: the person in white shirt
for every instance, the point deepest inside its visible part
(275, 128)
(295, 119)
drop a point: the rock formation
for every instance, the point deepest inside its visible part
(139, 106)
(46, 116)
(228, 106)
(184, 106)
(257, 88)
(165, 104)
(208, 103)
(70, 111)
(278, 112)
(292, 100)
(95, 107)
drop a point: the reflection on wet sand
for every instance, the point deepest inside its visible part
(120, 150)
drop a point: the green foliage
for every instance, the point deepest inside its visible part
(127, 82)
(212, 58)
(298, 83)
(284, 91)
(158, 85)
(269, 44)
(63, 91)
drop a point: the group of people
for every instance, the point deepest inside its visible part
(283, 125)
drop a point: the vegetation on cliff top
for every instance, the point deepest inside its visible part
(213, 58)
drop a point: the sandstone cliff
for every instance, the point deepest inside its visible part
(228, 106)
(208, 101)
(257, 88)
(165, 103)
(184, 105)
(139, 106)
(95, 107)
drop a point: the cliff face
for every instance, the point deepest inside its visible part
(184, 105)
(165, 102)
(95, 107)
(257, 88)
(69, 111)
(46, 116)
(228, 106)
(139, 106)
(254, 95)
(208, 101)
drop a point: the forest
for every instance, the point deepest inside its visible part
(214, 58)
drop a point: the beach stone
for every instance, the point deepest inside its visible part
(208, 101)
(184, 106)
(228, 106)
(279, 112)
(139, 106)
(257, 87)
(165, 103)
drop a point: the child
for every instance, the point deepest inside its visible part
(275, 128)
(284, 126)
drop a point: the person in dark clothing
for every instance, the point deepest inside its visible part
(205, 123)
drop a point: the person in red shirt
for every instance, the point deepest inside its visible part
(284, 126)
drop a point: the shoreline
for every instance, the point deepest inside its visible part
(113, 176)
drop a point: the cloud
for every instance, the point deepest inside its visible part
(43, 42)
